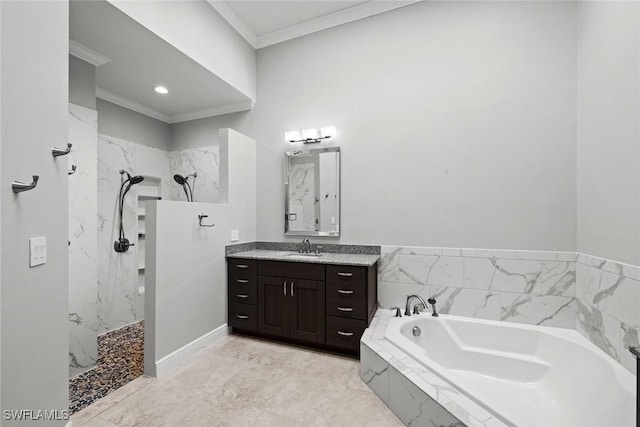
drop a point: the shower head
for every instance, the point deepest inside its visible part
(179, 179)
(136, 179)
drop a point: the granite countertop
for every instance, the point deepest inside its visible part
(324, 258)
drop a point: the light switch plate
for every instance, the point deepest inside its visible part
(37, 251)
(235, 235)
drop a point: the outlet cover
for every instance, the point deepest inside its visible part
(37, 251)
(235, 235)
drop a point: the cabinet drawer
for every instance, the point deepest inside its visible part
(291, 270)
(343, 274)
(243, 316)
(243, 269)
(344, 333)
(243, 292)
(346, 300)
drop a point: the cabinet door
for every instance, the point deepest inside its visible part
(273, 306)
(307, 309)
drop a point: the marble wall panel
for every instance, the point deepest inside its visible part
(83, 225)
(117, 272)
(205, 162)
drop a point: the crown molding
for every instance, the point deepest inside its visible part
(351, 14)
(215, 111)
(235, 21)
(131, 105)
(82, 52)
(345, 16)
(176, 118)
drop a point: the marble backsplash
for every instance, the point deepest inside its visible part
(597, 297)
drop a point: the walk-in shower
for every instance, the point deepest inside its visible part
(184, 181)
(123, 244)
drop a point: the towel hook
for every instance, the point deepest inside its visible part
(73, 170)
(61, 151)
(19, 187)
(202, 216)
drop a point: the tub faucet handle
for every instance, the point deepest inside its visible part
(432, 301)
(398, 312)
(418, 308)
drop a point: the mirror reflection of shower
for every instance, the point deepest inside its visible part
(123, 244)
(184, 181)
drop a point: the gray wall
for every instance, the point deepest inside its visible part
(82, 83)
(608, 130)
(456, 122)
(120, 122)
(33, 118)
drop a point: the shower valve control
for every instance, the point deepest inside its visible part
(122, 245)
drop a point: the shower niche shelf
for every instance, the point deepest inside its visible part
(149, 189)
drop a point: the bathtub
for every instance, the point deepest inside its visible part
(524, 375)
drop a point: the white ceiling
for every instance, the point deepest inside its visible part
(266, 22)
(139, 60)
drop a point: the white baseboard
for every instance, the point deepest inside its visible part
(184, 354)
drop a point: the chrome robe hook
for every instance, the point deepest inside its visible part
(202, 216)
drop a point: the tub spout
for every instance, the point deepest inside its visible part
(407, 308)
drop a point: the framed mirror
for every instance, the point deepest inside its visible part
(312, 192)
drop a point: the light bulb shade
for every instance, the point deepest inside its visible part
(311, 133)
(328, 132)
(292, 136)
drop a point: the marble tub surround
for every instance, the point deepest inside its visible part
(417, 395)
(532, 287)
(83, 232)
(608, 306)
(295, 247)
(120, 360)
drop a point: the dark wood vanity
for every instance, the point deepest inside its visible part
(322, 305)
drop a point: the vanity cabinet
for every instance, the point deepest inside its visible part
(324, 305)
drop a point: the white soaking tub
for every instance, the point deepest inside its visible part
(524, 375)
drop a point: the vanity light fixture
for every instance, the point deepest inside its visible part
(311, 135)
(161, 90)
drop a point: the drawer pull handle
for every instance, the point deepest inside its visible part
(344, 292)
(345, 274)
(242, 281)
(345, 309)
(242, 266)
(284, 288)
(242, 295)
(345, 334)
(292, 289)
(242, 316)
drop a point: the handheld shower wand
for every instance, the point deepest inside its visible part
(184, 181)
(123, 244)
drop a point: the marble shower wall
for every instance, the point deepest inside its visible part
(608, 306)
(529, 287)
(204, 161)
(301, 194)
(83, 226)
(117, 272)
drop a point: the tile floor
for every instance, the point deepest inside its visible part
(245, 381)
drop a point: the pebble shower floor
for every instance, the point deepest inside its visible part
(120, 360)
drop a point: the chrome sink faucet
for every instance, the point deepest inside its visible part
(306, 246)
(407, 308)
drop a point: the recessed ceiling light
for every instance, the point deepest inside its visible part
(161, 89)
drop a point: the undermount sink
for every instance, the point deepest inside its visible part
(304, 256)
